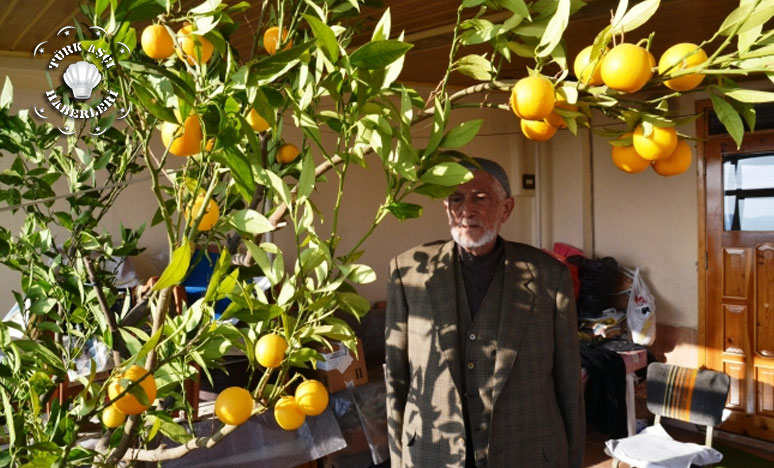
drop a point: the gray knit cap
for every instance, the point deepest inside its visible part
(493, 169)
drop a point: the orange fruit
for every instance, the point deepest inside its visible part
(677, 163)
(679, 57)
(183, 143)
(128, 404)
(287, 153)
(658, 145)
(627, 159)
(626, 68)
(270, 350)
(586, 74)
(270, 38)
(255, 120)
(112, 417)
(287, 414)
(209, 218)
(311, 397)
(234, 406)
(156, 42)
(538, 130)
(556, 120)
(194, 47)
(533, 98)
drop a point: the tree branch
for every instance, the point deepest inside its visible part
(162, 453)
(119, 347)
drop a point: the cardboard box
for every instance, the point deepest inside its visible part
(340, 366)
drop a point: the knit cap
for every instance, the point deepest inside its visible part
(493, 169)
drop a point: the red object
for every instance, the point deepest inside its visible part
(562, 251)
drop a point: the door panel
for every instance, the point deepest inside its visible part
(739, 284)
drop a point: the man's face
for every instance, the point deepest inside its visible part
(476, 210)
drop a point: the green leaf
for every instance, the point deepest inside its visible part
(435, 191)
(306, 180)
(250, 222)
(447, 174)
(358, 273)
(221, 267)
(637, 16)
(762, 14)
(177, 268)
(517, 7)
(554, 30)
(750, 95)
(462, 134)
(354, 303)
(175, 431)
(9, 412)
(6, 95)
(382, 29)
(150, 344)
(735, 18)
(474, 66)
(326, 39)
(378, 54)
(152, 103)
(100, 6)
(404, 211)
(729, 118)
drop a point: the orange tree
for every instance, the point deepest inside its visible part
(251, 132)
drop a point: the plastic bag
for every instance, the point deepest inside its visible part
(641, 312)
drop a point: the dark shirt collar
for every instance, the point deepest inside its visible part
(469, 259)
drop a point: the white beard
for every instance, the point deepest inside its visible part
(468, 243)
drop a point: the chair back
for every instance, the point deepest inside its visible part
(691, 395)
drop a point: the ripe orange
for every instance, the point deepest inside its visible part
(210, 217)
(287, 153)
(128, 404)
(627, 159)
(287, 414)
(183, 143)
(112, 417)
(234, 406)
(311, 397)
(270, 350)
(538, 130)
(156, 42)
(194, 47)
(679, 57)
(626, 68)
(556, 120)
(270, 38)
(532, 98)
(255, 120)
(677, 163)
(584, 72)
(658, 145)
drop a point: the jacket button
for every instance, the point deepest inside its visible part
(471, 365)
(472, 337)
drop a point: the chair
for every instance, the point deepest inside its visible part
(690, 395)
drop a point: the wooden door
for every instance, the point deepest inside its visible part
(738, 318)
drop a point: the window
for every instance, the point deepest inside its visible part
(748, 189)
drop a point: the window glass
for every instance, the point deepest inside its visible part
(748, 188)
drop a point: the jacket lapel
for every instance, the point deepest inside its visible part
(440, 287)
(517, 302)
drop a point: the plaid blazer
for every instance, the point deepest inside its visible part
(534, 399)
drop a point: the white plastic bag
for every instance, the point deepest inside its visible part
(641, 312)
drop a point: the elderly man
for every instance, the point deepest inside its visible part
(483, 367)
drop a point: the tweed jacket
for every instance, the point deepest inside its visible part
(534, 400)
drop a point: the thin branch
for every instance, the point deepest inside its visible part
(119, 347)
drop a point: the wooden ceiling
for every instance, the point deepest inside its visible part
(427, 24)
